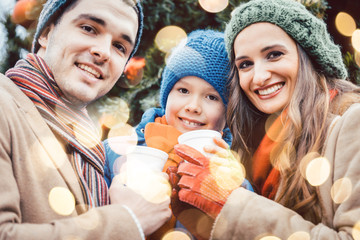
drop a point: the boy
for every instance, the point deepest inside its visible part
(192, 97)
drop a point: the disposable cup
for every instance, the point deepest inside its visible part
(198, 139)
(143, 160)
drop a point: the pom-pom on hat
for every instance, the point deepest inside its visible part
(202, 55)
(53, 9)
(307, 30)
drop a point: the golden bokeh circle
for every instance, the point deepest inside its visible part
(356, 231)
(345, 24)
(299, 236)
(169, 37)
(341, 190)
(318, 171)
(176, 235)
(62, 201)
(355, 40)
(357, 58)
(214, 6)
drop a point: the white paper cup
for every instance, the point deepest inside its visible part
(142, 157)
(198, 139)
(144, 167)
(142, 160)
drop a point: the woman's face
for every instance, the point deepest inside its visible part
(267, 62)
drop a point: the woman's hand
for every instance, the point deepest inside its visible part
(207, 182)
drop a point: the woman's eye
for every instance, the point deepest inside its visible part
(274, 55)
(244, 64)
(183, 90)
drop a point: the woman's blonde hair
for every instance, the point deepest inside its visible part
(308, 117)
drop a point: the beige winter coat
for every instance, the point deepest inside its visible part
(32, 164)
(247, 215)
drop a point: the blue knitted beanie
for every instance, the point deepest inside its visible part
(53, 9)
(203, 55)
(306, 29)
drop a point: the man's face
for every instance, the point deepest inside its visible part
(88, 49)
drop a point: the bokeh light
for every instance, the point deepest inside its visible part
(356, 231)
(306, 160)
(357, 58)
(270, 238)
(228, 171)
(299, 236)
(122, 129)
(317, 171)
(117, 111)
(345, 24)
(89, 141)
(202, 222)
(62, 201)
(153, 186)
(341, 190)
(273, 135)
(282, 162)
(214, 6)
(355, 40)
(168, 37)
(121, 137)
(43, 156)
(176, 235)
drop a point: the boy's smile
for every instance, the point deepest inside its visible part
(194, 104)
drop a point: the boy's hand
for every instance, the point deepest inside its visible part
(206, 183)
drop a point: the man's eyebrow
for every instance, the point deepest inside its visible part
(91, 18)
(102, 23)
(127, 38)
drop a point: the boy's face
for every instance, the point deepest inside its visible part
(88, 49)
(194, 104)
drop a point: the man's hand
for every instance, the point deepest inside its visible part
(151, 214)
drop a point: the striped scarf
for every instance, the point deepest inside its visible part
(36, 80)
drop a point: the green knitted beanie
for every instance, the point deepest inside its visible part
(306, 29)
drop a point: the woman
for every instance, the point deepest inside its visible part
(289, 110)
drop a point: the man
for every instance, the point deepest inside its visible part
(51, 161)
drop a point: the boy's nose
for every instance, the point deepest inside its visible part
(193, 107)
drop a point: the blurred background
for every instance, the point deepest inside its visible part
(167, 22)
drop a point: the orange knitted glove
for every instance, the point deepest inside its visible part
(206, 183)
(198, 223)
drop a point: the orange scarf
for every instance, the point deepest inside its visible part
(267, 178)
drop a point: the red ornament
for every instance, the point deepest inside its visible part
(22, 11)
